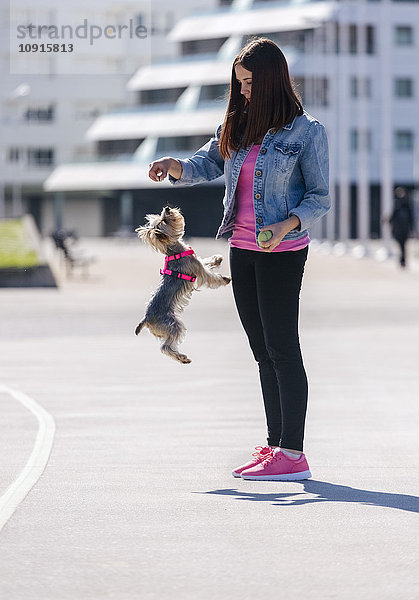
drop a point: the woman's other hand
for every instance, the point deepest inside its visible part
(279, 231)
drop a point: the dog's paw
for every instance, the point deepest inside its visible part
(184, 359)
(226, 280)
(213, 261)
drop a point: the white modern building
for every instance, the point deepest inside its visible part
(46, 107)
(355, 65)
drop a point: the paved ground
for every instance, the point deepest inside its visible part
(137, 500)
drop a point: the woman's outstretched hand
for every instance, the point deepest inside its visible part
(159, 169)
(279, 231)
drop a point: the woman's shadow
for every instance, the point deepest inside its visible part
(325, 492)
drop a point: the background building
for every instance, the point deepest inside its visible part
(44, 117)
(354, 63)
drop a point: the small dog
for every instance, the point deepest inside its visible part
(183, 273)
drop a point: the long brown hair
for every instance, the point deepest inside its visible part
(274, 100)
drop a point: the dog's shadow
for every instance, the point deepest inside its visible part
(325, 492)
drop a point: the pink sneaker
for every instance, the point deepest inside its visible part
(277, 466)
(261, 453)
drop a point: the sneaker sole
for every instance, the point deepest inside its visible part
(236, 474)
(285, 477)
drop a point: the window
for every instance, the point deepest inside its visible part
(403, 35)
(39, 114)
(353, 139)
(109, 148)
(360, 87)
(366, 36)
(13, 155)
(182, 143)
(40, 156)
(34, 156)
(353, 39)
(360, 140)
(300, 41)
(314, 91)
(404, 140)
(213, 92)
(160, 96)
(353, 87)
(370, 42)
(337, 38)
(203, 46)
(403, 87)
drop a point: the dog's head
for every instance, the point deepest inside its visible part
(162, 231)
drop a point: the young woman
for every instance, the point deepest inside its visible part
(274, 157)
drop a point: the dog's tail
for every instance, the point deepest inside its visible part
(139, 327)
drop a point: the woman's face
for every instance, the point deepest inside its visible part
(244, 77)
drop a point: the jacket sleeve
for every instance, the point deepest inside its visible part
(205, 165)
(314, 163)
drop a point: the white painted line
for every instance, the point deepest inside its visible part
(38, 459)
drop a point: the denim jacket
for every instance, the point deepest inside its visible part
(291, 175)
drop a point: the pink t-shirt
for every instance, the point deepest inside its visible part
(244, 235)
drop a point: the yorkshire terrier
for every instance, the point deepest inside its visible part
(183, 273)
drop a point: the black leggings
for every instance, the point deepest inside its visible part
(266, 288)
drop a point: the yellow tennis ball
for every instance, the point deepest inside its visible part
(265, 236)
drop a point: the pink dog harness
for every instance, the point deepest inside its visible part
(166, 271)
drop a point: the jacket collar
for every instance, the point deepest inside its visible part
(290, 125)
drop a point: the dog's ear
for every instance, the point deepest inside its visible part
(152, 219)
(171, 213)
(142, 232)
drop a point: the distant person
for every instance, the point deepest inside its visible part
(275, 160)
(401, 221)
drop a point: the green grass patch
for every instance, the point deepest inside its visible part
(15, 247)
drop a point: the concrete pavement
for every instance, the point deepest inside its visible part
(137, 500)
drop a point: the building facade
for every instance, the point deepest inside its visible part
(45, 114)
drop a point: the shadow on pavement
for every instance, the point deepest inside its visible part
(326, 492)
